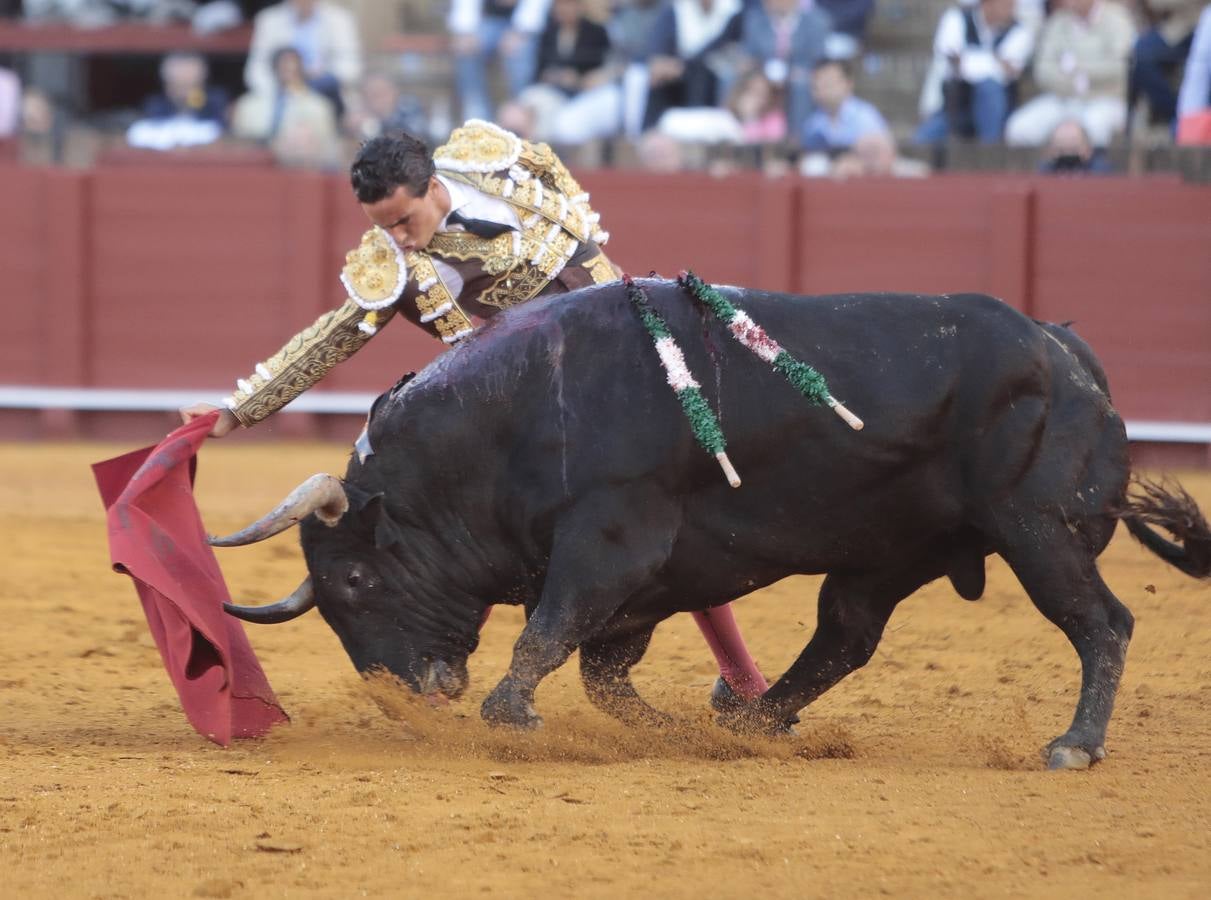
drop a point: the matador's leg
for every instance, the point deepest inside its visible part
(736, 666)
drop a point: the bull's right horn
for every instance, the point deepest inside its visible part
(292, 607)
(321, 494)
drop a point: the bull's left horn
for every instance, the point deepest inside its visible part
(292, 607)
(321, 494)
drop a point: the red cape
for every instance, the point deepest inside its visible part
(156, 536)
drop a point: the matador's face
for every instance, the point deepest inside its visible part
(411, 221)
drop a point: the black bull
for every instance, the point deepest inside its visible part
(546, 462)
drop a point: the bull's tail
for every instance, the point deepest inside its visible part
(1168, 505)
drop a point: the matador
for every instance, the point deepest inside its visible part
(485, 222)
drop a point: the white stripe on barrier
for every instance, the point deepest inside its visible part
(145, 400)
(142, 400)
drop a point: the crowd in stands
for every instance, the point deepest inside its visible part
(779, 80)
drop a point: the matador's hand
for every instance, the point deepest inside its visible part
(223, 425)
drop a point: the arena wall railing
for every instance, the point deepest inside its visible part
(132, 290)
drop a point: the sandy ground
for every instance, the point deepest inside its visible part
(917, 776)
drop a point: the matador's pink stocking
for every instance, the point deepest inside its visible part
(737, 667)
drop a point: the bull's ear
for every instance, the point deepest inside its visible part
(379, 522)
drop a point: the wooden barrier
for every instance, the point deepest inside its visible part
(183, 276)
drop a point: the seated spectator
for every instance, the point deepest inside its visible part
(1081, 69)
(186, 113)
(1069, 152)
(840, 119)
(295, 121)
(1159, 53)
(325, 38)
(849, 19)
(681, 70)
(381, 106)
(874, 154)
(572, 56)
(660, 153)
(43, 128)
(612, 101)
(759, 109)
(483, 29)
(1194, 101)
(788, 39)
(99, 13)
(979, 52)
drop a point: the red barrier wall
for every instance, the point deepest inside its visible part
(185, 276)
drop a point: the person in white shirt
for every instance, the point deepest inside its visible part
(980, 51)
(1082, 69)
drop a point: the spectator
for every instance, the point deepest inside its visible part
(1069, 152)
(759, 108)
(572, 56)
(980, 50)
(849, 19)
(1159, 53)
(325, 38)
(874, 154)
(294, 120)
(660, 153)
(840, 119)
(613, 100)
(1082, 71)
(1194, 101)
(10, 104)
(485, 28)
(788, 39)
(186, 113)
(681, 70)
(380, 106)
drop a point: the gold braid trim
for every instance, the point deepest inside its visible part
(436, 303)
(602, 270)
(305, 359)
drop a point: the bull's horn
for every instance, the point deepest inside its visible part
(292, 607)
(320, 494)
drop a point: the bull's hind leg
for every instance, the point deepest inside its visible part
(1060, 575)
(852, 611)
(605, 669)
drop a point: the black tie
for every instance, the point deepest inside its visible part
(479, 227)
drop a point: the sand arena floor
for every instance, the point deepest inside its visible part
(918, 776)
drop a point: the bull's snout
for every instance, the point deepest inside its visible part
(441, 677)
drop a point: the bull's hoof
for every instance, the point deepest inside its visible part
(1062, 755)
(509, 712)
(746, 718)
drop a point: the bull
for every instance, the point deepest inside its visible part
(545, 462)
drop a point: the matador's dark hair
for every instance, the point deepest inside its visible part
(387, 162)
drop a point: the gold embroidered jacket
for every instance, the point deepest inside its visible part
(557, 249)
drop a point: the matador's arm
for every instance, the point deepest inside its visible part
(305, 359)
(375, 276)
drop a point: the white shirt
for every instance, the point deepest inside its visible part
(529, 16)
(473, 204)
(476, 205)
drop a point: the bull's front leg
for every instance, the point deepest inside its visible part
(604, 549)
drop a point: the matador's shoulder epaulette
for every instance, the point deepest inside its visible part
(478, 147)
(374, 274)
